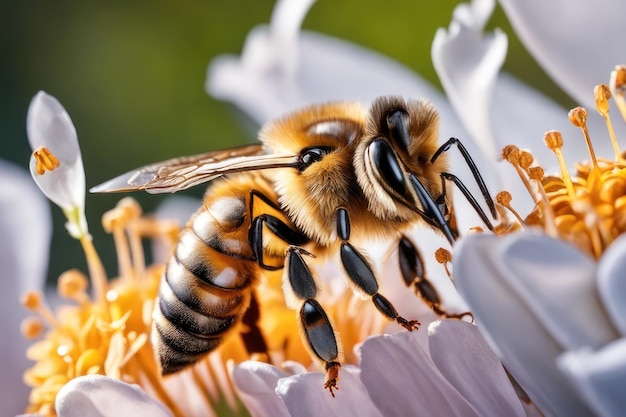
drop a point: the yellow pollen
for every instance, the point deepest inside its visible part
(618, 88)
(602, 94)
(45, 160)
(536, 173)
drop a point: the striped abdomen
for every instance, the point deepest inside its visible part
(207, 284)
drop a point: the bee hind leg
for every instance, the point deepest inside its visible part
(360, 272)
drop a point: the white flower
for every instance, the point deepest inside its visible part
(56, 164)
(398, 375)
(25, 230)
(554, 316)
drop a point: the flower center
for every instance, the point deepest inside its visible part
(587, 208)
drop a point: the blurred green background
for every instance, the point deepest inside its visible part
(131, 75)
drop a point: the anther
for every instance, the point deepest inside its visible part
(513, 155)
(602, 94)
(578, 117)
(504, 199)
(525, 159)
(73, 284)
(33, 300)
(510, 153)
(31, 327)
(554, 142)
(444, 257)
(45, 160)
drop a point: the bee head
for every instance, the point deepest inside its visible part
(324, 138)
(400, 138)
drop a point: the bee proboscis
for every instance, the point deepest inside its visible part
(321, 178)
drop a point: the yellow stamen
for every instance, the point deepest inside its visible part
(31, 327)
(513, 155)
(444, 257)
(73, 284)
(504, 198)
(45, 160)
(554, 142)
(536, 173)
(618, 88)
(578, 117)
(602, 94)
(34, 301)
(97, 274)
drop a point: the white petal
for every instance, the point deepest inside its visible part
(517, 336)
(558, 283)
(256, 383)
(25, 230)
(270, 79)
(612, 284)
(401, 378)
(305, 396)
(576, 42)
(100, 396)
(599, 376)
(466, 361)
(468, 63)
(49, 125)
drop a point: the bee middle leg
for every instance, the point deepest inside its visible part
(361, 274)
(413, 271)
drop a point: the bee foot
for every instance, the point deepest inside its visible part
(332, 375)
(410, 325)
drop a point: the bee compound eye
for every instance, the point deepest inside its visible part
(309, 156)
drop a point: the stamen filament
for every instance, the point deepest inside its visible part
(511, 154)
(537, 173)
(444, 257)
(602, 94)
(504, 199)
(96, 269)
(554, 141)
(578, 117)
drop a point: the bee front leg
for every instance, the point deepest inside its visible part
(360, 273)
(300, 290)
(413, 273)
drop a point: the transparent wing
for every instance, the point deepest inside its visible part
(180, 173)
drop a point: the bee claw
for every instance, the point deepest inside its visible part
(332, 375)
(410, 325)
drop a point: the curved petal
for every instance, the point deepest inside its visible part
(25, 231)
(468, 63)
(256, 383)
(538, 268)
(611, 282)
(472, 368)
(401, 378)
(49, 125)
(510, 327)
(270, 79)
(574, 41)
(305, 396)
(100, 396)
(599, 376)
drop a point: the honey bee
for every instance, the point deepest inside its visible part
(321, 178)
